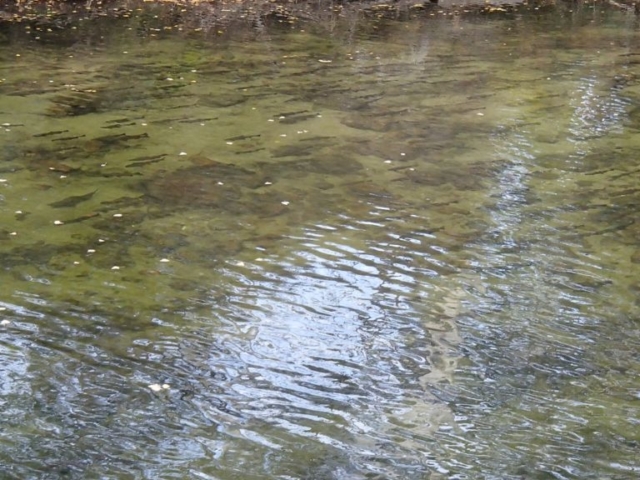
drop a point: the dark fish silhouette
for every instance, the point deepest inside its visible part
(241, 137)
(119, 120)
(119, 125)
(141, 161)
(297, 118)
(73, 200)
(197, 120)
(48, 134)
(64, 139)
(288, 114)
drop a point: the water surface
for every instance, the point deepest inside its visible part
(365, 248)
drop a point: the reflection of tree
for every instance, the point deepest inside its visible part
(556, 257)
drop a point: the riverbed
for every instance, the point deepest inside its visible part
(365, 247)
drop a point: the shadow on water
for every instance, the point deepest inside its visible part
(385, 249)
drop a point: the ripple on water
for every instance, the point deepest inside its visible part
(317, 351)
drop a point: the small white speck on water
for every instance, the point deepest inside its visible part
(220, 183)
(100, 240)
(480, 114)
(169, 79)
(13, 234)
(5, 322)
(103, 164)
(91, 250)
(387, 161)
(164, 260)
(58, 222)
(76, 263)
(155, 387)
(144, 124)
(229, 143)
(117, 215)
(284, 202)
(194, 71)
(3, 180)
(63, 176)
(115, 267)
(125, 52)
(268, 183)
(166, 386)
(271, 120)
(282, 117)
(319, 116)
(239, 264)
(283, 134)
(202, 124)
(402, 154)
(324, 61)
(412, 169)
(18, 212)
(182, 154)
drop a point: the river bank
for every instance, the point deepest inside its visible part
(215, 16)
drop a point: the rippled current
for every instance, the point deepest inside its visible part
(361, 247)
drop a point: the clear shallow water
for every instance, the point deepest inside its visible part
(390, 249)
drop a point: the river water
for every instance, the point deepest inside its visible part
(365, 247)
